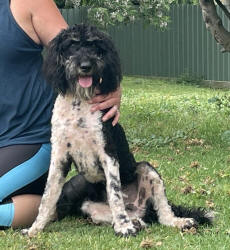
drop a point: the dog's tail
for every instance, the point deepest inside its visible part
(201, 215)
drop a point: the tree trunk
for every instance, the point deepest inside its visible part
(214, 24)
(226, 3)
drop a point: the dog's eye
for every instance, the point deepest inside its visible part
(101, 47)
(70, 45)
(73, 47)
(65, 45)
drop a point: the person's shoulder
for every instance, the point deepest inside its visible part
(39, 5)
(30, 5)
(33, 7)
(47, 19)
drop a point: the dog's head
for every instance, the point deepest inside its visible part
(80, 59)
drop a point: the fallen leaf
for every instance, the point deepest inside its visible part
(194, 164)
(210, 204)
(135, 149)
(208, 180)
(222, 174)
(183, 178)
(187, 190)
(146, 243)
(203, 191)
(187, 148)
(154, 163)
(195, 142)
(178, 151)
(33, 248)
(159, 243)
(191, 230)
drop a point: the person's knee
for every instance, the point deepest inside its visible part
(25, 209)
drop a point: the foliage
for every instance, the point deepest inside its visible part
(195, 2)
(124, 11)
(222, 102)
(189, 78)
(107, 12)
(226, 137)
(60, 3)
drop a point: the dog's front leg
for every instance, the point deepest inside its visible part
(122, 224)
(55, 182)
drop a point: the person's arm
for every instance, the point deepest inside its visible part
(40, 19)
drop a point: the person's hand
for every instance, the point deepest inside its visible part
(112, 101)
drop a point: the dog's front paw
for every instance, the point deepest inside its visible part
(25, 231)
(29, 232)
(125, 229)
(138, 223)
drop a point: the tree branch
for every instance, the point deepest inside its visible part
(225, 10)
(214, 24)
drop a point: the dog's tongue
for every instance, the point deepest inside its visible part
(85, 81)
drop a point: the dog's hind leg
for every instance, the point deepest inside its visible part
(55, 182)
(99, 212)
(151, 188)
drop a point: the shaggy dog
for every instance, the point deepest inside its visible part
(80, 60)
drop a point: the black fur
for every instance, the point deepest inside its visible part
(83, 39)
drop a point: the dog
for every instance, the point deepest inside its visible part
(80, 61)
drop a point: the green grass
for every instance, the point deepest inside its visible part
(181, 129)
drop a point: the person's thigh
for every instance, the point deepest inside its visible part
(23, 169)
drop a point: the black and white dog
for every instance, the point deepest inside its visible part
(80, 60)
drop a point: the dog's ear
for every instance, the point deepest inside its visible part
(112, 73)
(53, 66)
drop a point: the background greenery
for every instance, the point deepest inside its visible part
(183, 129)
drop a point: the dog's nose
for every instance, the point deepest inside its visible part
(85, 66)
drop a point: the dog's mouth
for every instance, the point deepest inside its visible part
(85, 87)
(85, 81)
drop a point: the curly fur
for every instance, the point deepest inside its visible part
(73, 46)
(111, 186)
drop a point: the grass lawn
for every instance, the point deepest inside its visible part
(183, 131)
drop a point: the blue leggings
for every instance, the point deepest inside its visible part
(23, 170)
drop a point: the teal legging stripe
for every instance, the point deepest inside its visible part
(6, 214)
(26, 172)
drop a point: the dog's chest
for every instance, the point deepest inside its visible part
(79, 131)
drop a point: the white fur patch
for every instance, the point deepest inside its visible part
(78, 132)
